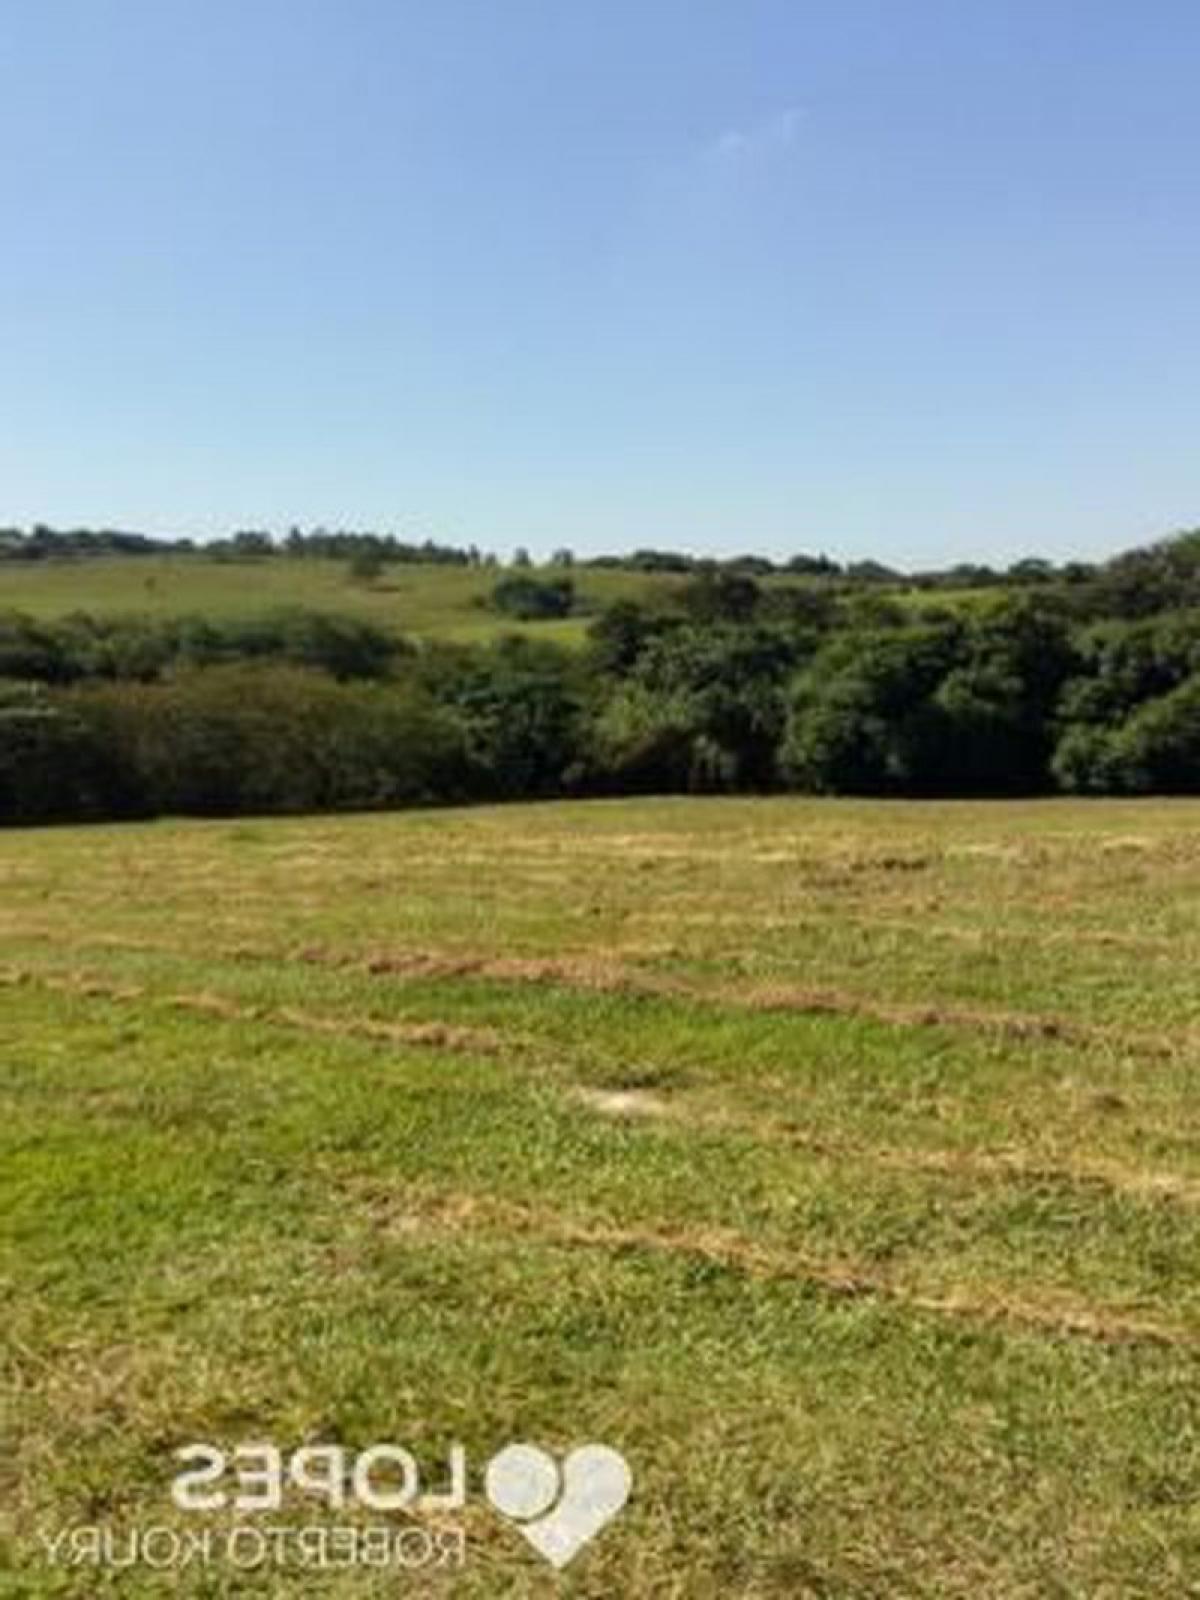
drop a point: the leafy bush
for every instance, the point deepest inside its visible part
(947, 706)
(519, 706)
(863, 716)
(81, 647)
(55, 765)
(1155, 750)
(644, 741)
(239, 738)
(534, 599)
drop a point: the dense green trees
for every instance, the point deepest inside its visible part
(946, 706)
(1140, 583)
(84, 647)
(725, 682)
(56, 764)
(863, 718)
(518, 707)
(273, 738)
(697, 709)
(1130, 718)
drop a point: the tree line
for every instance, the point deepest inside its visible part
(43, 543)
(720, 683)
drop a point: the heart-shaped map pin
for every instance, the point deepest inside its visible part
(558, 1509)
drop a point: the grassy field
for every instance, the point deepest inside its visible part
(426, 601)
(837, 1162)
(422, 600)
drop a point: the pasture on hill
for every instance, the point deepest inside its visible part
(430, 601)
(443, 601)
(837, 1162)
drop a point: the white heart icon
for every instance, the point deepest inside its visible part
(558, 1510)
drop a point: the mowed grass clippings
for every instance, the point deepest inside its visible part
(836, 1162)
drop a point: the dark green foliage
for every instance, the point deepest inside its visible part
(1161, 577)
(620, 633)
(998, 702)
(700, 709)
(56, 764)
(644, 741)
(946, 706)
(1085, 680)
(812, 566)
(84, 647)
(518, 704)
(240, 738)
(248, 544)
(1155, 750)
(1130, 718)
(34, 651)
(871, 572)
(1122, 664)
(655, 561)
(347, 647)
(44, 544)
(718, 594)
(534, 599)
(365, 566)
(864, 718)
(808, 605)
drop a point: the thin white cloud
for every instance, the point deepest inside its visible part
(773, 136)
(704, 204)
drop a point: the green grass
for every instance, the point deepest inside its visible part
(425, 601)
(422, 600)
(837, 1162)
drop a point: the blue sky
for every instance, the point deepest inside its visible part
(901, 278)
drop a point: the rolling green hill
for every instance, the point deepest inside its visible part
(446, 601)
(426, 601)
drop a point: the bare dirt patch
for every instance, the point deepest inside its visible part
(623, 1103)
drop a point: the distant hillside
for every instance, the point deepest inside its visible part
(253, 679)
(428, 589)
(443, 601)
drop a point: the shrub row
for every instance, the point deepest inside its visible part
(1015, 699)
